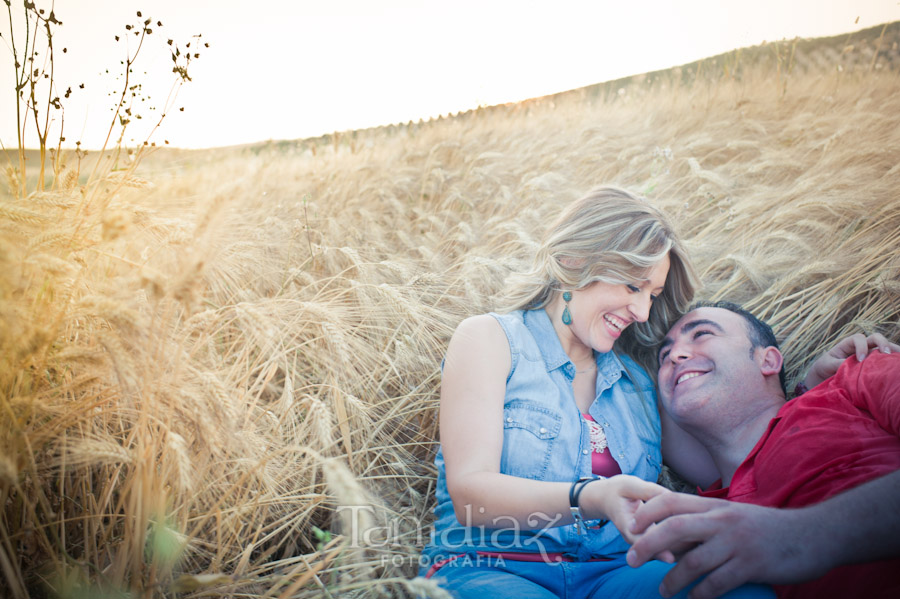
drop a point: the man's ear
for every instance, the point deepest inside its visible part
(770, 360)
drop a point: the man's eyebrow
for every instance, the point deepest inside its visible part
(701, 322)
(687, 328)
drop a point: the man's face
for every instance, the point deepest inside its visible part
(706, 361)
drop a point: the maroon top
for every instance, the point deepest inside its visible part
(602, 463)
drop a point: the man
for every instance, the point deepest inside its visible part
(834, 452)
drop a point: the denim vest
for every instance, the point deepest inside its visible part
(545, 438)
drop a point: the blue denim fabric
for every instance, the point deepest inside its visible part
(478, 577)
(545, 438)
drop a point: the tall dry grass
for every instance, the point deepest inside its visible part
(208, 370)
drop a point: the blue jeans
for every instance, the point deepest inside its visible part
(479, 577)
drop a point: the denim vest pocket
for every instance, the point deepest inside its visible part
(529, 432)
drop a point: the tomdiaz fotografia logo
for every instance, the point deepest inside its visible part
(506, 534)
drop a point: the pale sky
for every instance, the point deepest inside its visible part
(287, 69)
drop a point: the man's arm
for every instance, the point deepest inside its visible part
(733, 543)
(685, 454)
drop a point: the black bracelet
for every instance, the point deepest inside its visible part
(574, 493)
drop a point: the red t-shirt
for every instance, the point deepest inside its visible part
(842, 433)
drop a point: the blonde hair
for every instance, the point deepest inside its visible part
(613, 236)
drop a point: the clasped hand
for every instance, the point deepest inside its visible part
(617, 499)
(731, 543)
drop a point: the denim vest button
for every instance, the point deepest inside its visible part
(605, 425)
(543, 430)
(509, 419)
(584, 451)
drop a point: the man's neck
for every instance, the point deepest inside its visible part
(730, 444)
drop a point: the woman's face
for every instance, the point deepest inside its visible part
(601, 311)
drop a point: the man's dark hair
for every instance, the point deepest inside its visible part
(759, 333)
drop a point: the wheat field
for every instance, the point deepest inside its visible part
(221, 366)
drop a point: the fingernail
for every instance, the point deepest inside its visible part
(630, 557)
(632, 525)
(663, 590)
(886, 350)
(860, 357)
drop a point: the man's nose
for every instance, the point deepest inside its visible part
(679, 352)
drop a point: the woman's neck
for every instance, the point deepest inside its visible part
(581, 355)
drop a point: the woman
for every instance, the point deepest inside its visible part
(549, 438)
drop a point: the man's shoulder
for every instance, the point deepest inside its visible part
(876, 366)
(888, 363)
(871, 386)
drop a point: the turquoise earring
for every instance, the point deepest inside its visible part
(566, 315)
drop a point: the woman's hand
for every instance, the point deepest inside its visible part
(617, 499)
(828, 363)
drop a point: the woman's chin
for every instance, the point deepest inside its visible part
(603, 345)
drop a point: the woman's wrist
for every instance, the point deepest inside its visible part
(591, 499)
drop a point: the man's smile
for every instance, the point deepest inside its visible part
(688, 375)
(686, 371)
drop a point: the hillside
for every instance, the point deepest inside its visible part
(207, 358)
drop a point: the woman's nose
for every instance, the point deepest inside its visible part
(640, 308)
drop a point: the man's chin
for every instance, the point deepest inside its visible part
(683, 404)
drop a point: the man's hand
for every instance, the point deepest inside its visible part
(829, 362)
(731, 543)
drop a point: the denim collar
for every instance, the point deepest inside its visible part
(609, 366)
